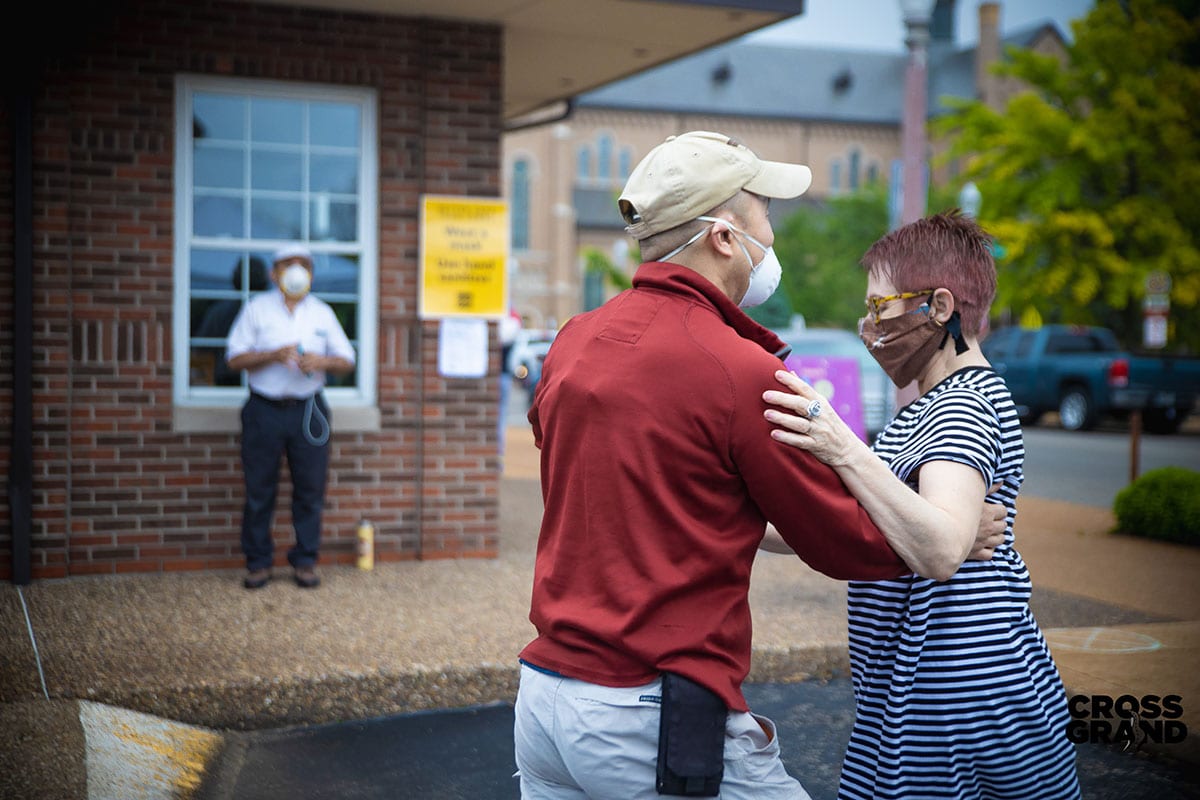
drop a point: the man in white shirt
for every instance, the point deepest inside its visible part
(287, 341)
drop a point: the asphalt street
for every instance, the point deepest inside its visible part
(468, 753)
(1090, 468)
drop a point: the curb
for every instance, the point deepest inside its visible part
(81, 750)
(276, 702)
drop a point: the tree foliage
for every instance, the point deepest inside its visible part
(820, 247)
(595, 262)
(776, 312)
(1089, 179)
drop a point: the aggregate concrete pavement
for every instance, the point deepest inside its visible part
(203, 658)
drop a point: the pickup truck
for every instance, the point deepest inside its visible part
(1082, 372)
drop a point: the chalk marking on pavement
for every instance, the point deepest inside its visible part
(1100, 640)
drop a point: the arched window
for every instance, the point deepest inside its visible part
(873, 173)
(604, 157)
(835, 177)
(519, 204)
(855, 167)
(584, 163)
(625, 165)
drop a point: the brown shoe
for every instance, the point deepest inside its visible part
(256, 578)
(306, 578)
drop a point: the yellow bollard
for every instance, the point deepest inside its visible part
(366, 544)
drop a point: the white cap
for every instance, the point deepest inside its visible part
(693, 173)
(292, 251)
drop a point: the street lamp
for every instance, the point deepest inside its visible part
(916, 15)
(969, 199)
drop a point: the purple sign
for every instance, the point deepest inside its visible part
(837, 379)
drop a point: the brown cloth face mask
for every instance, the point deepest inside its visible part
(903, 345)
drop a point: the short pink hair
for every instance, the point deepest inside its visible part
(942, 250)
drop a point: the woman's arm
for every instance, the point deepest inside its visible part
(993, 524)
(933, 532)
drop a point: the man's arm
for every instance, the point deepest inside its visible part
(338, 358)
(810, 507)
(334, 365)
(256, 359)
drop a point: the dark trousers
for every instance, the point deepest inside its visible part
(271, 429)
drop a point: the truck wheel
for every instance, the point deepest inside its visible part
(1162, 421)
(1075, 410)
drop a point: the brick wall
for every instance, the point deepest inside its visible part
(116, 489)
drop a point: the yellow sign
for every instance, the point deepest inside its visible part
(464, 257)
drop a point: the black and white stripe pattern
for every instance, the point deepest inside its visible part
(957, 694)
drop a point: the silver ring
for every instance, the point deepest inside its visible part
(814, 409)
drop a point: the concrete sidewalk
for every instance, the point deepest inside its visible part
(152, 669)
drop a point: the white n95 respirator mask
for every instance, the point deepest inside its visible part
(764, 278)
(295, 281)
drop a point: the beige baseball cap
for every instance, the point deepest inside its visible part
(690, 174)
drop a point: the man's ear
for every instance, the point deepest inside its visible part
(721, 237)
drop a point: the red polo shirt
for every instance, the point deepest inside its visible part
(659, 475)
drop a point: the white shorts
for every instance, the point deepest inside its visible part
(583, 741)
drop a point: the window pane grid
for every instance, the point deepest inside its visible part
(266, 171)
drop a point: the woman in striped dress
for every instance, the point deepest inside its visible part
(957, 695)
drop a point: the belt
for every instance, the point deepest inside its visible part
(542, 670)
(281, 402)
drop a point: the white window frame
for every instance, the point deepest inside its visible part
(203, 408)
(835, 176)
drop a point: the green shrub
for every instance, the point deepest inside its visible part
(1163, 504)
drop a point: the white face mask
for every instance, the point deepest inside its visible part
(295, 281)
(764, 276)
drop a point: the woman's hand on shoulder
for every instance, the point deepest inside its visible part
(825, 435)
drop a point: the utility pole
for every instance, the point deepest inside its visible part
(916, 14)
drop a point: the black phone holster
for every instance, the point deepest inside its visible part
(691, 739)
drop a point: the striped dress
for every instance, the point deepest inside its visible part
(957, 695)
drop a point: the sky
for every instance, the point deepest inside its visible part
(877, 25)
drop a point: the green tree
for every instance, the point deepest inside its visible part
(596, 263)
(776, 312)
(1089, 179)
(820, 247)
